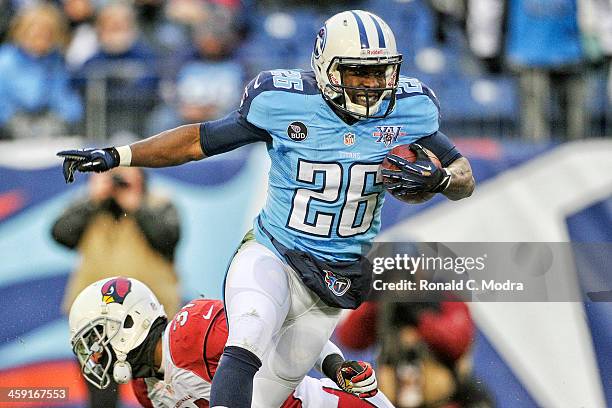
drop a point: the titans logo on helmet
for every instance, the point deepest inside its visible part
(115, 290)
(320, 42)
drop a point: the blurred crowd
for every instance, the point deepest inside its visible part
(117, 68)
(113, 69)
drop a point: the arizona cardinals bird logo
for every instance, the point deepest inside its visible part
(115, 290)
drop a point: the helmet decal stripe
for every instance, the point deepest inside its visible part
(363, 36)
(381, 36)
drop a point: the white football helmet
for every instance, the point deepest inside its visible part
(108, 319)
(356, 38)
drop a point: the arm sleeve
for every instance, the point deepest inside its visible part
(160, 226)
(328, 350)
(229, 133)
(441, 146)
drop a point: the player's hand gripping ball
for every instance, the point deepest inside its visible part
(357, 377)
(413, 174)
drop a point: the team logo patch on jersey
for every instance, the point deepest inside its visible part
(115, 290)
(297, 131)
(349, 139)
(388, 134)
(338, 285)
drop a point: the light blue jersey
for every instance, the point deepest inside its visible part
(325, 192)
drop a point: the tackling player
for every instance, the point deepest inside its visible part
(118, 328)
(327, 131)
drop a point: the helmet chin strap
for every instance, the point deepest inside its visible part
(122, 370)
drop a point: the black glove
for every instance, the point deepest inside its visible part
(420, 176)
(85, 160)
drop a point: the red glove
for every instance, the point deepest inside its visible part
(449, 332)
(360, 328)
(357, 377)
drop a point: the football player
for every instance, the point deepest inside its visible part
(327, 131)
(119, 329)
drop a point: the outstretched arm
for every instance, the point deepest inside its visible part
(179, 145)
(169, 148)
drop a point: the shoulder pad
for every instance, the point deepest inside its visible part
(429, 92)
(407, 87)
(293, 81)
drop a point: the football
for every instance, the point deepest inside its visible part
(404, 152)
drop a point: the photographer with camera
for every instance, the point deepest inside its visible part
(120, 228)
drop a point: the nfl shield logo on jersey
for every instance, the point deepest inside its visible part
(349, 139)
(338, 285)
(388, 134)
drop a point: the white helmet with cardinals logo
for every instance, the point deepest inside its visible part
(108, 319)
(356, 39)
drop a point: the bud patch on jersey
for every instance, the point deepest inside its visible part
(297, 131)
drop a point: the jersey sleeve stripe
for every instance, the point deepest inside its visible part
(208, 330)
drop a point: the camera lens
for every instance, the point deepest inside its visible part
(119, 181)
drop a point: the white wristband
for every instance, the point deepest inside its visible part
(125, 155)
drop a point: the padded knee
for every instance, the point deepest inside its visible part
(249, 331)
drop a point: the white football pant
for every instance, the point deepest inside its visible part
(274, 315)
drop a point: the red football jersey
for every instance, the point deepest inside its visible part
(192, 346)
(197, 337)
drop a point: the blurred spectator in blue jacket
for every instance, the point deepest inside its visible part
(203, 91)
(121, 75)
(209, 80)
(35, 95)
(213, 40)
(544, 44)
(561, 50)
(210, 29)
